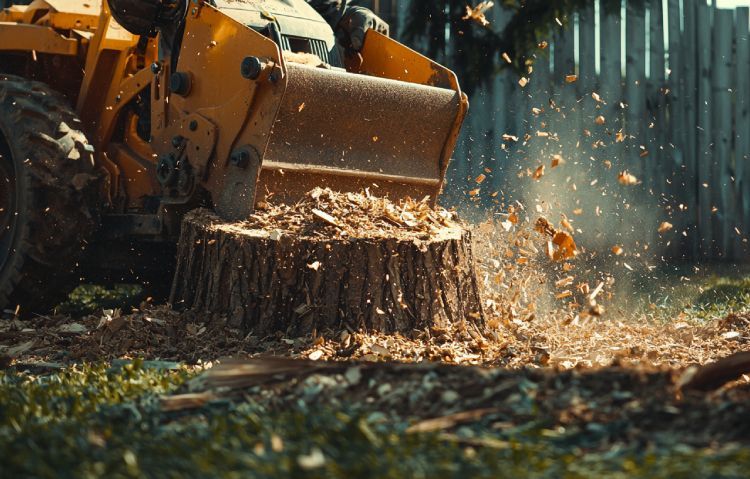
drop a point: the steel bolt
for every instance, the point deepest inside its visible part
(251, 68)
(180, 83)
(193, 125)
(240, 158)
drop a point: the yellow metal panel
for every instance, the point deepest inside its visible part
(386, 58)
(21, 37)
(69, 21)
(76, 7)
(12, 14)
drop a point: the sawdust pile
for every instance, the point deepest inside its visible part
(541, 310)
(158, 333)
(324, 213)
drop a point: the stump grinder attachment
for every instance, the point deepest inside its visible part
(235, 102)
(292, 111)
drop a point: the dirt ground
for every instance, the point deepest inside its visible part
(590, 376)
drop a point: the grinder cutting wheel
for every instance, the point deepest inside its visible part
(139, 113)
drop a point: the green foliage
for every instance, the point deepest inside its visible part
(475, 50)
(90, 421)
(88, 298)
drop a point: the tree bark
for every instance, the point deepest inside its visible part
(264, 281)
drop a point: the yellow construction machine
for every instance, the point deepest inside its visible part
(106, 136)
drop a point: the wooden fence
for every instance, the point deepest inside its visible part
(662, 94)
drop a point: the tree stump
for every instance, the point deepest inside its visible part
(338, 261)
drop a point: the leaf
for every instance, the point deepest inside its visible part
(445, 422)
(75, 328)
(19, 349)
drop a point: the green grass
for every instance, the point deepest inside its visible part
(699, 294)
(91, 421)
(91, 298)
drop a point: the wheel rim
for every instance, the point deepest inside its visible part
(7, 203)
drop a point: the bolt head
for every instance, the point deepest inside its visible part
(251, 68)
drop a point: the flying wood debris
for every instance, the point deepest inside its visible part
(476, 13)
(664, 227)
(538, 173)
(561, 246)
(627, 179)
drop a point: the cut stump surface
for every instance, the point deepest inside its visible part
(334, 262)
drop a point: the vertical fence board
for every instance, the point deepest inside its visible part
(610, 78)
(586, 51)
(742, 114)
(700, 112)
(689, 73)
(704, 102)
(635, 88)
(675, 148)
(722, 184)
(564, 57)
(658, 171)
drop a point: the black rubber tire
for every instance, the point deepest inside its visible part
(56, 197)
